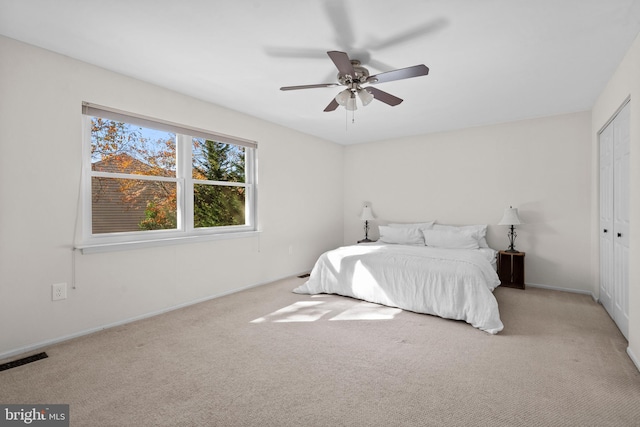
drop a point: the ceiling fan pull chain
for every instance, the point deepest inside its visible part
(346, 120)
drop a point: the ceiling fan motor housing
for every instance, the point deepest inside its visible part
(362, 74)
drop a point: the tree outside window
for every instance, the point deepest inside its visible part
(135, 182)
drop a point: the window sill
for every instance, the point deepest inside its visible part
(139, 244)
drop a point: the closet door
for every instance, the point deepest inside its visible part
(606, 219)
(621, 148)
(614, 219)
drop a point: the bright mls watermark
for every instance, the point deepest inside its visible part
(34, 415)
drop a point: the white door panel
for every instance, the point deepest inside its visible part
(614, 219)
(606, 218)
(621, 148)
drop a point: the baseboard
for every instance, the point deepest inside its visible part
(633, 358)
(42, 344)
(556, 288)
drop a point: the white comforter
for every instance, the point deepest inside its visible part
(450, 283)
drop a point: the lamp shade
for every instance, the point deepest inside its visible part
(365, 96)
(343, 97)
(366, 214)
(351, 103)
(510, 217)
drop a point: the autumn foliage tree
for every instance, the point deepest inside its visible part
(123, 148)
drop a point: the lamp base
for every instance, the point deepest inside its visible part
(512, 251)
(365, 240)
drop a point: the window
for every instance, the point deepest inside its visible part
(148, 180)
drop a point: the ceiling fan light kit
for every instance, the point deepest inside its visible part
(353, 75)
(347, 99)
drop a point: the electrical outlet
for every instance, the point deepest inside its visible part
(58, 291)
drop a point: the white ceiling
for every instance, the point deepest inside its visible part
(490, 61)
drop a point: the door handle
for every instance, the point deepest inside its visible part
(605, 230)
(619, 234)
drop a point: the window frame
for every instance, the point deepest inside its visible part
(185, 231)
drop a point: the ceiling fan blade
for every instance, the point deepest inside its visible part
(402, 73)
(380, 66)
(385, 97)
(343, 63)
(332, 105)
(412, 33)
(309, 86)
(341, 21)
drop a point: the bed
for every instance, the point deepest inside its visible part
(428, 268)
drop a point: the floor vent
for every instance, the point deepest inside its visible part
(304, 275)
(23, 361)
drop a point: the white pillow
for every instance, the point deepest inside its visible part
(480, 231)
(401, 235)
(427, 225)
(417, 226)
(451, 239)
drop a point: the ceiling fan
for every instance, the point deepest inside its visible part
(346, 39)
(354, 76)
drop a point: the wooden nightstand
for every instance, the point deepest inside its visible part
(511, 269)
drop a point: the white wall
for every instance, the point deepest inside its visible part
(624, 83)
(541, 166)
(40, 160)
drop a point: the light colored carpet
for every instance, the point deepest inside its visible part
(268, 357)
